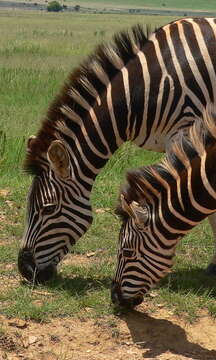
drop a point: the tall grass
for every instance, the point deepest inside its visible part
(37, 51)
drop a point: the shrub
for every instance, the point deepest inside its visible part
(54, 6)
(77, 7)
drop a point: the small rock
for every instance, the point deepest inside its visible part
(9, 203)
(94, 343)
(160, 306)
(48, 356)
(55, 338)
(100, 211)
(4, 192)
(21, 324)
(153, 294)
(90, 254)
(25, 343)
(88, 309)
(32, 339)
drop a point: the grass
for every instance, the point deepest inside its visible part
(36, 53)
(164, 4)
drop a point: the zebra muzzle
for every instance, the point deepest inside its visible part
(118, 299)
(29, 270)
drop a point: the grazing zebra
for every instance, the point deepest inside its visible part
(141, 88)
(159, 205)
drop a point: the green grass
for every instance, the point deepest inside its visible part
(36, 53)
(130, 4)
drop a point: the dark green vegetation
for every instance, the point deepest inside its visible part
(54, 6)
(36, 53)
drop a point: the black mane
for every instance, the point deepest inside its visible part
(123, 46)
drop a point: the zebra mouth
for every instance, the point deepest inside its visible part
(119, 300)
(29, 270)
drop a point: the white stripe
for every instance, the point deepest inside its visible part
(146, 80)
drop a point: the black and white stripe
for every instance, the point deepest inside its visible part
(162, 203)
(140, 88)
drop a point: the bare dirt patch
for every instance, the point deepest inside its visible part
(136, 335)
(8, 281)
(85, 259)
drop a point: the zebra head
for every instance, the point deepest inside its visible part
(58, 213)
(139, 263)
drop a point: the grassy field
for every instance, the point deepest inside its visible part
(36, 53)
(170, 4)
(130, 4)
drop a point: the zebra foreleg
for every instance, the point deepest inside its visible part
(211, 269)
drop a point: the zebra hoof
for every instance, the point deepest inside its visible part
(211, 270)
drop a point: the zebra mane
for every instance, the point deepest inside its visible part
(146, 183)
(83, 86)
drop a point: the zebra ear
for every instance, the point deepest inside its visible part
(30, 142)
(140, 214)
(59, 158)
(125, 206)
(136, 211)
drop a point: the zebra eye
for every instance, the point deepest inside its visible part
(48, 209)
(128, 253)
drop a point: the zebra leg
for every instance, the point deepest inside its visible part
(211, 269)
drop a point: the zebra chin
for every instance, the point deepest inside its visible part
(119, 300)
(29, 270)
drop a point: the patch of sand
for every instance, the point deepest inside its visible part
(134, 336)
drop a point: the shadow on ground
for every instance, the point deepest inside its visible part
(78, 285)
(194, 280)
(160, 336)
(182, 281)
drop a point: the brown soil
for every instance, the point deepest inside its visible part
(135, 336)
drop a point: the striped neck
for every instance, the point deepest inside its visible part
(179, 192)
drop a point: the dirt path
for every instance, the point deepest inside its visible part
(134, 336)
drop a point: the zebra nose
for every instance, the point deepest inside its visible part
(26, 264)
(119, 300)
(29, 270)
(115, 293)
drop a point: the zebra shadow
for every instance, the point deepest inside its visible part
(78, 285)
(157, 336)
(194, 280)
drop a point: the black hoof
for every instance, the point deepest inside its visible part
(211, 270)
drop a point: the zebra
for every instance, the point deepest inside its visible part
(143, 87)
(159, 205)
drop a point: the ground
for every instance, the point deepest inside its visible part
(134, 336)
